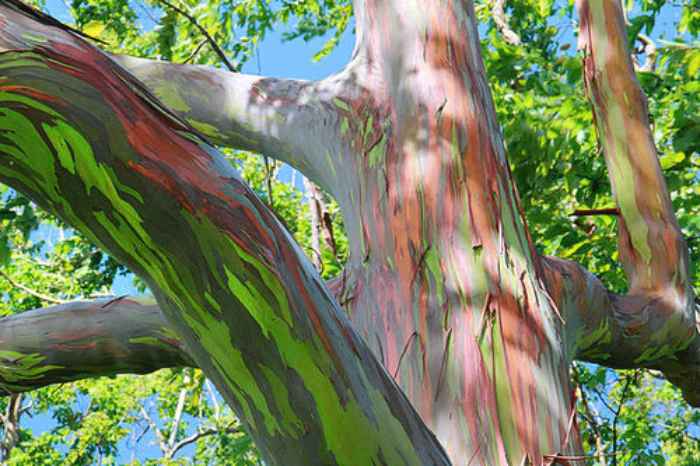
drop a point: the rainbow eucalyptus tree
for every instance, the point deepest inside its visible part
(447, 339)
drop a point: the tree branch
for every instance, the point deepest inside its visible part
(99, 150)
(650, 50)
(625, 331)
(30, 291)
(179, 410)
(205, 33)
(85, 339)
(199, 435)
(652, 249)
(653, 326)
(501, 20)
(156, 430)
(290, 120)
(592, 418)
(10, 421)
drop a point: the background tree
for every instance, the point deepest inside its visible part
(549, 131)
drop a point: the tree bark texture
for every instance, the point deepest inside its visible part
(87, 141)
(444, 289)
(85, 339)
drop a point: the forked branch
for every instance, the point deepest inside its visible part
(653, 325)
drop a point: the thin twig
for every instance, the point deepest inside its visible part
(196, 51)
(201, 28)
(36, 294)
(203, 433)
(586, 212)
(628, 382)
(590, 415)
(155, 429)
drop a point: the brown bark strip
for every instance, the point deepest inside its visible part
(587, 212)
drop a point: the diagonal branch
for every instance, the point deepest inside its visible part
(30, 291)
(200, 434)
(653, 325)
(177, 417)
(156, 430)
(205, 33)
(85, 139)
(501, 20)
(652, 248)
(290, 120)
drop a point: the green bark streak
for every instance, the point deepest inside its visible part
(227, 276)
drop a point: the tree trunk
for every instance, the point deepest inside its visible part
(444, 288)
(446, 285)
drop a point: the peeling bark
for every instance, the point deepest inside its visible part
(443, 281)
(446, 285)
(84, 139)
(79, 340)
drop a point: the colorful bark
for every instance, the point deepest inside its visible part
(290, 120)
(654, 324)
(625, 331)
(84, 139)
(443, 281)
(85, 339)
(652, 248)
